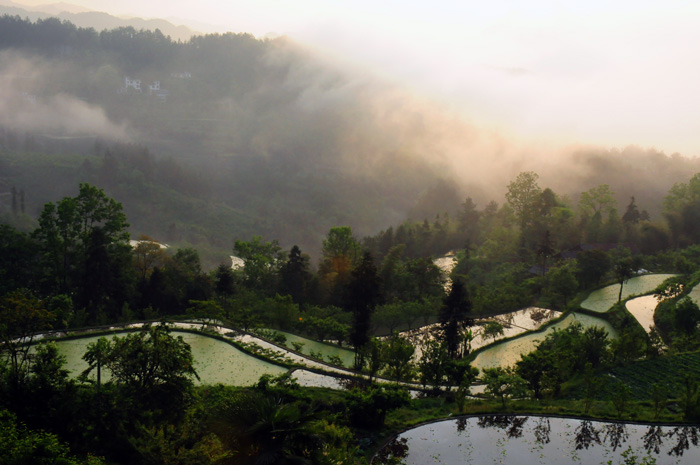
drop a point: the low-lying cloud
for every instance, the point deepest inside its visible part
(32, 100)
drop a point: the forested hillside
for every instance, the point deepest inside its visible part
(255, 130)
(223, 137)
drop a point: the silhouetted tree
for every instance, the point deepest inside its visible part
(363, 293)
(454, 316)
(295, 276)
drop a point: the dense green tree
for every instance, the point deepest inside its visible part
(629, 345)
(295, 278)
(368, 408)
(96, 356)
(686, 316)
(492, 329)
(545, 249)
(340, 246)
(22, 317)
(326, 323)
(562, 283)
(681, 207)
(682, 194)
(503, 384)
(454, 316)
(20, 445)
(156, 369)
(690, 397)
(420, 278)
(390, 271)
(375, 354)
(654, 238)
(179, 282)
(594, 346)
(147, 255)
(468, 220)
(107, 276)
(434, 365)
(561, 355)
(523, 195)
(48, 395)
(363, 293)
(262, 262)
(632, 214)
(613, 229)
(600, 199)
(19, 259)
(624, 267)
(460, 373)
(620, 398)
(539, 370)
(339, 255)
(261, 428)
(67, 230)
(388, 316)
(592, 266)
(594, 228)
(224, 281)
(399, 355)
(208, 311)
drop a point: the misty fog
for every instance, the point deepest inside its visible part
(289, 138)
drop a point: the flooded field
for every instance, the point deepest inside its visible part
(602, 299)
(319, 348)
(507, 353)
(514, 323)
(642, 308)
(215, 361)
(507, 439)
(694, 294)
(446, 265)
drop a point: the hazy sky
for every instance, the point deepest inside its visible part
(592, 73)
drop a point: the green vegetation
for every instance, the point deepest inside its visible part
(78, 260)
(210, 191)
(214, 361)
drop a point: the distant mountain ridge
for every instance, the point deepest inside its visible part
(82, 17)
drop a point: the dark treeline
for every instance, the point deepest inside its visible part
(531, 246)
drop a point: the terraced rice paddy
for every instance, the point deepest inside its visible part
(510, 439)
(509, 352)
(326, 350)
(215, 361)
(642, 308)
(602, 299)
(694, 294)
(514, 323)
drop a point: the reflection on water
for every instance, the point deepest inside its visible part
(509, 352)
(685, 435)
(461, 424)
(512, 425)
(542, 430)
(653, 439)
(393, 452)
(586, 435)
(616, 434)
(544, 440)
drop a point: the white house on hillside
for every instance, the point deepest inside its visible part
(133, 83)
